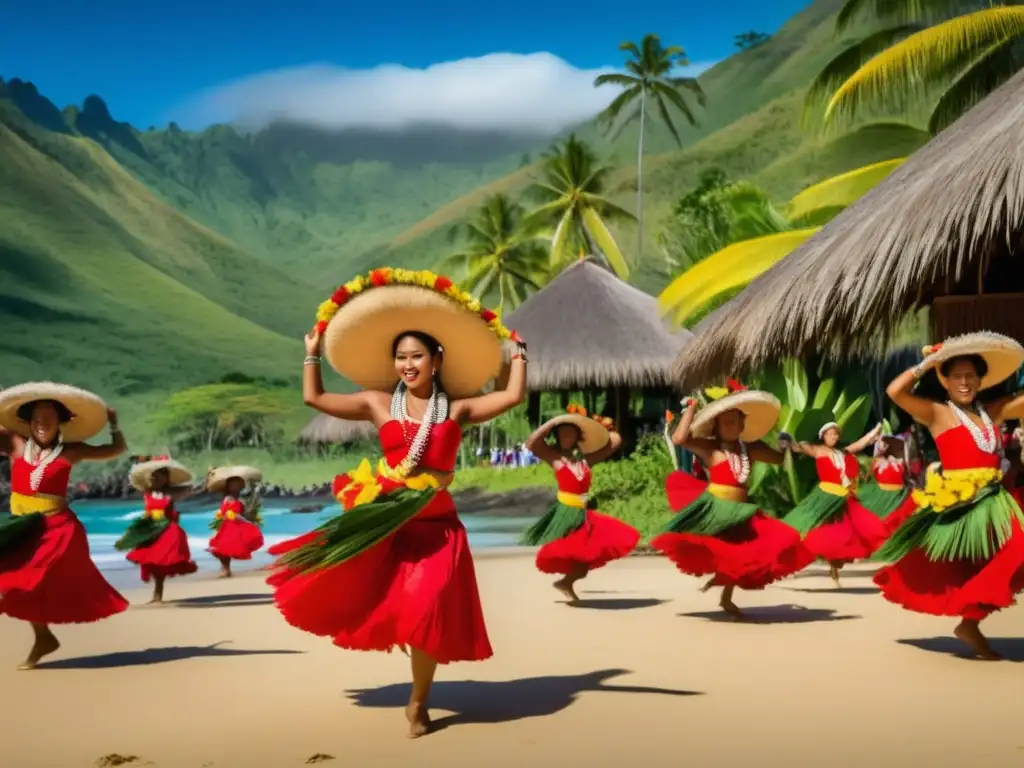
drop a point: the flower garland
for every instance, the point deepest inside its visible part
(579, 410)
(385, 276)
(943, 490)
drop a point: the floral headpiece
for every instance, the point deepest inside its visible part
(579, 410)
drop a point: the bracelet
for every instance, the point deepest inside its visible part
(520, 356)
(918, 371)
(311, 360)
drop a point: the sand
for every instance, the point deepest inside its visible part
(642, 672)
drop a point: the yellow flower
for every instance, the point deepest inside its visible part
(326, 311)
(921, 499)
(155, 514)
(367, 494)
(354, 286)
(230, 515)
(422, 482)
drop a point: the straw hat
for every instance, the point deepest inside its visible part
(218, 478)
(141, 475)
(358, 336)
(88, 411)
(1002, 354)
(760, 409)
(594, 434)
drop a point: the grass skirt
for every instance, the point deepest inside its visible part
(166, 555)
(572, 536)
(837, 528)
(46, 574)
(735, 541)
(236, 539)
(891, 507)
(967, 561)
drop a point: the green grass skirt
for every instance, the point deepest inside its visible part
(879, 501)
(818, 508)
(708, 515)
(141, 533)
(16, 529)
(973, 530)
(559, 521)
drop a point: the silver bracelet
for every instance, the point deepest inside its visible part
(311, 360)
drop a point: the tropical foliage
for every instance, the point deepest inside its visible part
(752, 39)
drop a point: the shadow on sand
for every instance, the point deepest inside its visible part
(836, 590)
(223, 601)
(156, 656)
(1010, 648)
(774, 614)
(615, 604)
(487, 701)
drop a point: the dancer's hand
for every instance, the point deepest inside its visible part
(313, 343)
(112, 418)
(785, 441)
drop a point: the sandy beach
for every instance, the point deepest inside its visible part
(642, 671)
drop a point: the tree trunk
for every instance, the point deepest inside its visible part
(640, 178)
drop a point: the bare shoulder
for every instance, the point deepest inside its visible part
(380, 405)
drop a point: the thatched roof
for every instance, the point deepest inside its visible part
(323, 429)
(935, 223)
(587, 328)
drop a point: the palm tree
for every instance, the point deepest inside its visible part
(571, 205)
(649, 66)
(498, 252)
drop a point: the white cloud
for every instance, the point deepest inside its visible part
(536, 92)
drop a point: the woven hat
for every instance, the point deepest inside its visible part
(141, 475)
(1002, 354)
(594, 434)
(88, 411)
(218, 478)
(362, 319)
(760, 410)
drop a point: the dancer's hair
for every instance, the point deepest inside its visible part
(63, 414)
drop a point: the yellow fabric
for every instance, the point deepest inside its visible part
(42, 503)
(946, 488)
(367, 483)
(573, 500)
(727, 492)
(890, 487)
(835, 489)
(155, 514)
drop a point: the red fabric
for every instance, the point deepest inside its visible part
(889, 473)
(236, 539)
(854, 536)
(958, 451)
(169, 555)
(900, 515)
(828, 473)
(51, 579)
(416, 588)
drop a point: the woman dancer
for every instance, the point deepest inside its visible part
(962, 553)
(835, 527)
(236, 537)
(395, 569)
(157, 542)
(575, 538)
(46, 574)
(717, 531)
(888, 494)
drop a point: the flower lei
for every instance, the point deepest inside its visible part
(31, 456)
(943, 490)
(385, 276)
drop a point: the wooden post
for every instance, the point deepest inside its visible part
(533, 410)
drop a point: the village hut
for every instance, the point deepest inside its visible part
(942, 233)
(324, 430)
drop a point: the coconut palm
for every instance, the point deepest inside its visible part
(498, 253)
(650, 78)
(572, 206)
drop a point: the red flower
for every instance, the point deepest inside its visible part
(378, 278)
(340, 481)
(734, 386)
(487, 315)
(442, 284)
(515, 337)
(340, 296)
(321, 326)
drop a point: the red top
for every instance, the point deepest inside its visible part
(231, 504)
(827, 472)
(569, 483)
(722, 474)
(441, 451)
(156, 500)
(55, 479)
(958, 451)
(889, 472)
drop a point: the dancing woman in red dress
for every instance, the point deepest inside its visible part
(394, 569)
(962, 552)
(576, 539)
(156, 542)
(717, 530)
(835, 526)
(237, 537)
(887, 495)
(46, 574)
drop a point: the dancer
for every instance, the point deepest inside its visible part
(157, 542)
(835, 527)
(575, 538)
(395, 568)
(46, 574)
(887, 495)
(236, 537)
(962, 553)
(717, 531)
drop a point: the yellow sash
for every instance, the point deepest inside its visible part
(890, 487)
(155, 514)
(727, 492)
(835, 489)
(41, 502)
(574, 500)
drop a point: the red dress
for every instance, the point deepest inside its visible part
(892, 476)
(968, 588)
(751, 554)
(856, 533)
(236, 538)
(416, 588)
(49, 578)
(598, 541)
(169, 555)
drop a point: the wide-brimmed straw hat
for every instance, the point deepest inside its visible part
(364, 317)
(88, 411)
(141, 475)
(593, 434)
(1002, 354)
(760, 410)
(218, 478)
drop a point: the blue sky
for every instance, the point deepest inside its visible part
(197, 62)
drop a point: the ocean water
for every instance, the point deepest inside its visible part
(106, 521)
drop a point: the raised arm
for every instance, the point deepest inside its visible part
(920, 409)
(609, 450)
(761, 451)
(477, 410)
(1007, 407)
(117, 445)
(358, 406)
(682, 438)
(536, 445)
(870, 438)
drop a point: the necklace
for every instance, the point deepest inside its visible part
(435, 413)
(31, 455)
(578, 468)
(986, 439)
(839, 462)
(738, 463)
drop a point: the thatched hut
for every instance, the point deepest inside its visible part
(941, 232)
(327, 430)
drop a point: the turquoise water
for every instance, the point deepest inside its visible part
(105, 521)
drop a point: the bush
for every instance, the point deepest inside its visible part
(633, 489)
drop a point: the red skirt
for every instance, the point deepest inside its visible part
(169, 555)
(964, 588)
(416, 588)
(597, 542)
(50, 579)
(854, 536)
(899, 515)
(236, 539)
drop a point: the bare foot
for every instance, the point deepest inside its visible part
(834, 572)
(155, 601)
(970, 634)
(566, 589)
(224, 574)
(730, 608)
(43, 647)
(419, 720)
